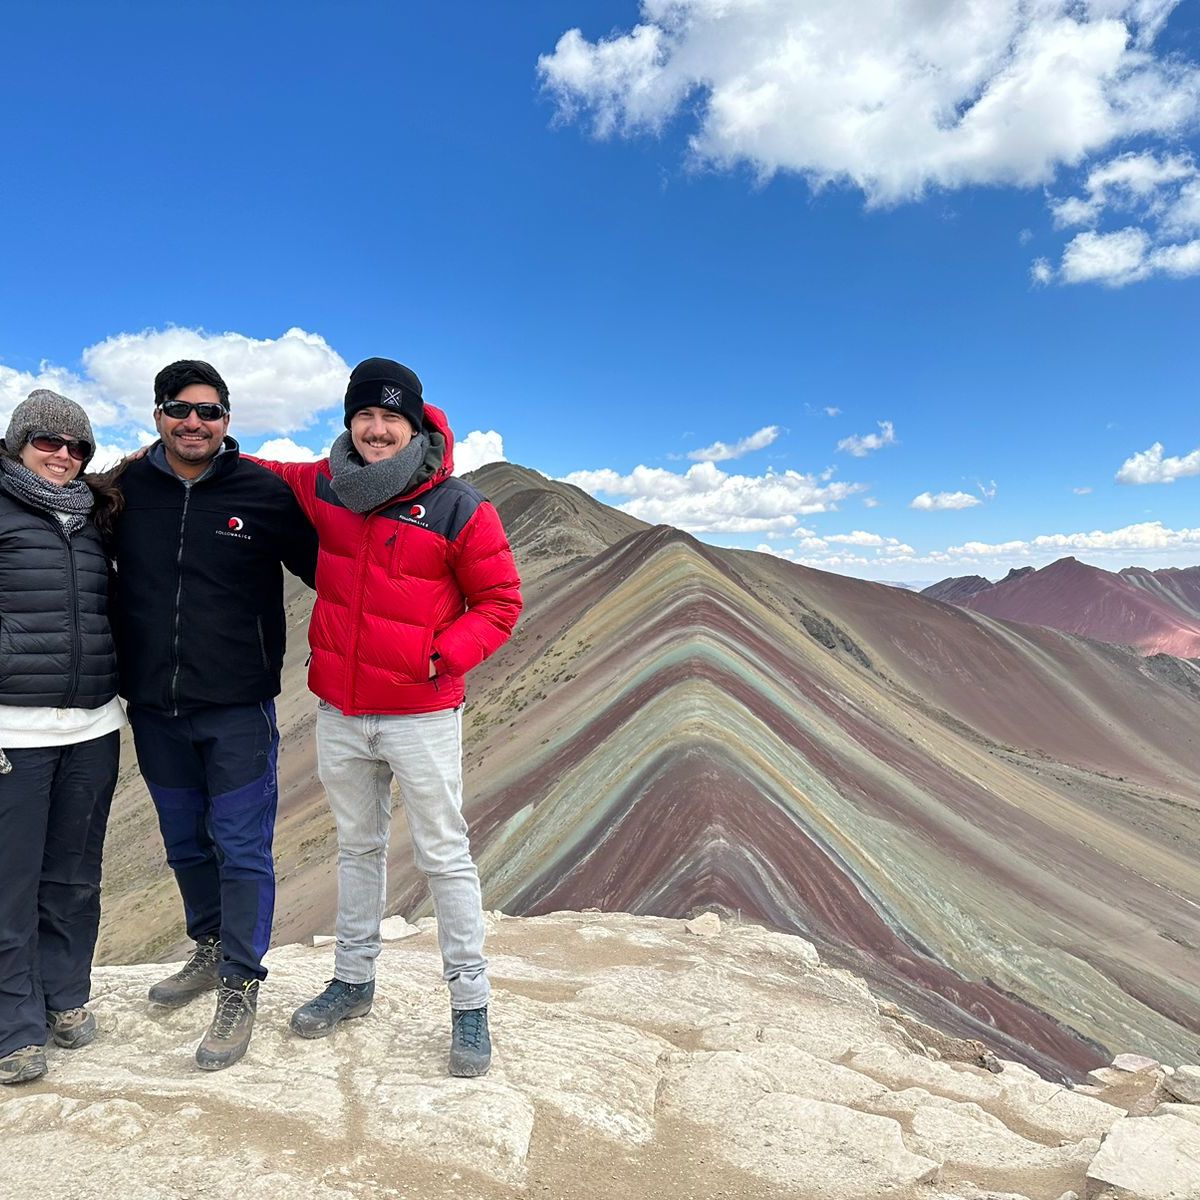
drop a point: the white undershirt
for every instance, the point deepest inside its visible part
(22, 726)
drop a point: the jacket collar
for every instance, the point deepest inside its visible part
(224, 462)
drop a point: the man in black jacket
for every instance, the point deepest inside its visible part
(200, 637)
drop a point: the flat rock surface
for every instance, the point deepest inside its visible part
(631, 1059)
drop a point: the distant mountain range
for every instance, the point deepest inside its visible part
(997, 824)
(1155, 612)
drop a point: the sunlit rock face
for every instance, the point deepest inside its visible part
(632, 1058)
(996, 824)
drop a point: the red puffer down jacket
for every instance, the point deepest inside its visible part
(428, 572)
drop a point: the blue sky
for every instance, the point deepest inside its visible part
(682, 225)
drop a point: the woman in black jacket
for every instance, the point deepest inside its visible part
(59, 722)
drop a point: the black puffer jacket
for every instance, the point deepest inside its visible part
(56, 648)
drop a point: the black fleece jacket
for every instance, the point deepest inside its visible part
(198, 612)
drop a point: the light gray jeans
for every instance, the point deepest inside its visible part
(356, 760)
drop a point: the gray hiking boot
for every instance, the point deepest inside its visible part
(72, 1028)
(232, 1023)
(470, 1042)
(23, 1065)
(340, 1001)
(201, 973)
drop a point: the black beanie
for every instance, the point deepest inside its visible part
(385, 383)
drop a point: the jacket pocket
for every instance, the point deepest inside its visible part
(262, 644)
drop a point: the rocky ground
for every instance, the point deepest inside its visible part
(635, 1057)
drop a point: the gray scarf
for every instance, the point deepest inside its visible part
(73, 498)
(363, 487)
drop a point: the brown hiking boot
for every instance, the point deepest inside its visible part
(232, 1023)
(72, 1028)
(23, 1065)
(201, 973)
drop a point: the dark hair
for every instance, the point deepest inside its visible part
(109, 500)
(174, 377)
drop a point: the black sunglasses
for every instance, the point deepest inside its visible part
(52, 443)
(178, 410)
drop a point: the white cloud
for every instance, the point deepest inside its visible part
(898, 97)
(1179, 260)
(286, 450)
(1161, 195)
(930, 502)
(861, 446)
(832, 411)
(705, 499)
(722, 452)
(16, 385)
(860, 537)
(1149, 466)
(478, 448)
(1041, 272)
(893, 98)
(277, 385)
(1112, 258)
(1140, 538)
(870, 502)
(1082, 491)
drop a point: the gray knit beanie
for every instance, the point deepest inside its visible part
(44, 411)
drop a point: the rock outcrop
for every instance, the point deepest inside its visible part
(633, 1058)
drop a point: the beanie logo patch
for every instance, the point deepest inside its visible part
(236, 523)
(392, 396)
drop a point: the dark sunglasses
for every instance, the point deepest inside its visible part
(51, 443)
(178, 410)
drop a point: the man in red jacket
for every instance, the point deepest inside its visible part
(416, 585)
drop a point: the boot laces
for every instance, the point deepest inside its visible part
(205, 954)
(336, 990)
(231, 1003)
(470, 1026)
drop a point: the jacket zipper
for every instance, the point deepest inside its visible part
(262, 643)
(174, 693)
(360, 570)
(72, 607)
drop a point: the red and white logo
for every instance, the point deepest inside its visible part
(417, 511)
(235, 523)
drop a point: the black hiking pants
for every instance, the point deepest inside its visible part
(53, 815)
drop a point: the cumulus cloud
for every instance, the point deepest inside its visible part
(832, 411)
(1114, 258)
(931, 502)
(1158, 198)
(860, 447)
(1150, 466)
(286, 450)
(722, 452)
(898, 98)
(1146, 536)
(478, 448)
(16, 385)
(858, 538)
(705, 499)
(893, 98)
(277, 385)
